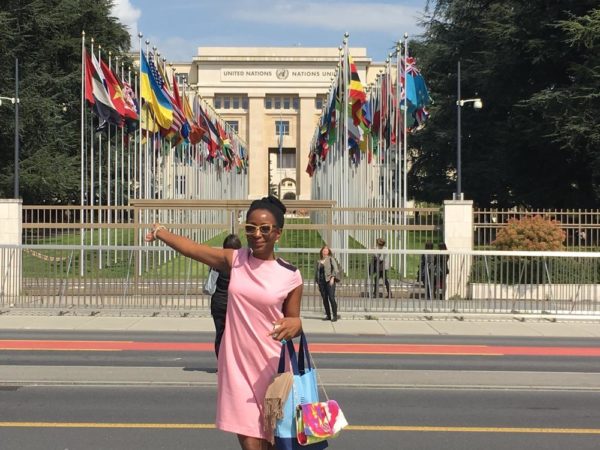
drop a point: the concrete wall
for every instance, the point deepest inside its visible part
(10, 258)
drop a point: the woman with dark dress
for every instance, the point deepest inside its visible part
(218, 301)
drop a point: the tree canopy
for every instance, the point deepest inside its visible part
(45, 35)
(536, 65)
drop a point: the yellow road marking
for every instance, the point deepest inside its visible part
(209, 426)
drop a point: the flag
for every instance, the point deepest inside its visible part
(417, 95)
(356, 88)
(96, 93)
(153, 94)
(197, 132)
(185, 126)
(116, 93)
(210, 137)
(174, 131)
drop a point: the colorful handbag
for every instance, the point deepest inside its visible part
(304, 390)
(318, 421)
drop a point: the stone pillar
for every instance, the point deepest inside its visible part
(11, 214)
(258, 151)
(458, 236)
(306, 128)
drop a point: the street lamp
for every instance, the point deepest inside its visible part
(477, 104)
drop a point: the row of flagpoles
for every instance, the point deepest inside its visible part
(359, 153)
(157, 137)
(149, 138)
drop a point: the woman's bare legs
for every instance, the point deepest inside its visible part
(252, 443)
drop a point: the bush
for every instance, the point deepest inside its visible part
(533, 233)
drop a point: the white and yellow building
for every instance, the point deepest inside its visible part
(271, 95)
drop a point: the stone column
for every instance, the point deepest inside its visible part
(258, 151)
(306, 128)
(458, 236)
(11, 214)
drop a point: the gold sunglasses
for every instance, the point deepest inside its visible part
(264, 229)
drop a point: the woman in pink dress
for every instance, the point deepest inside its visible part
(263, 310)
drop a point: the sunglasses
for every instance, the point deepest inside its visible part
(264, 229)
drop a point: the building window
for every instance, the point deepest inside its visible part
(288, 161)
(282, 126)
(288, 102)
(231, 102)
(319, 102)
(234, 125)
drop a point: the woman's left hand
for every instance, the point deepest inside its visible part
(286, 328)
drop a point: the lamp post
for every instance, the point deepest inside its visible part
(15, 101)
(477, 104)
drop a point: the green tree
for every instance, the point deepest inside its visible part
(46, 37)
(524, 59)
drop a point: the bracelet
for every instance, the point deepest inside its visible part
(157, 229)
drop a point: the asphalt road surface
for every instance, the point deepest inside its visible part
(157, 391)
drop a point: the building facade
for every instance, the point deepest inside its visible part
(272, 97)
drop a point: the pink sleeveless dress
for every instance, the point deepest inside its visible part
(248, 357)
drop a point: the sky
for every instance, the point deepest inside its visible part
(178, 27)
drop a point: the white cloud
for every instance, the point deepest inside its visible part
(128, 15)
(343, 16)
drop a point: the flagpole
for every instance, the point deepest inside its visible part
(137, 151)
(92, 169)
(82, 156)
(404, 128)
(100, 180)
(345, 164)
(108, 168)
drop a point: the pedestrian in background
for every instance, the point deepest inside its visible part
(441, 272)
(380, 264)
(426, 271)
(326, 272)
(218, 301)
(263, 311)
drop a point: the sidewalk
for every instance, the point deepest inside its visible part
(575, 327)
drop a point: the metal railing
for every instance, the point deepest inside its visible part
(155, 279)
(581, 227)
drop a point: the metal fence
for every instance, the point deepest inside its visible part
(309, 224)
(581, 227)
(156, 280)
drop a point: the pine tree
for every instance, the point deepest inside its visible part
(46, 37)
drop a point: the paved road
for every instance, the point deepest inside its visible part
(517, 386)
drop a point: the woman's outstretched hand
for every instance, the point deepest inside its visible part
(151, 235)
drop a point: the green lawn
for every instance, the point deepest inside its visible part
(121, 263)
